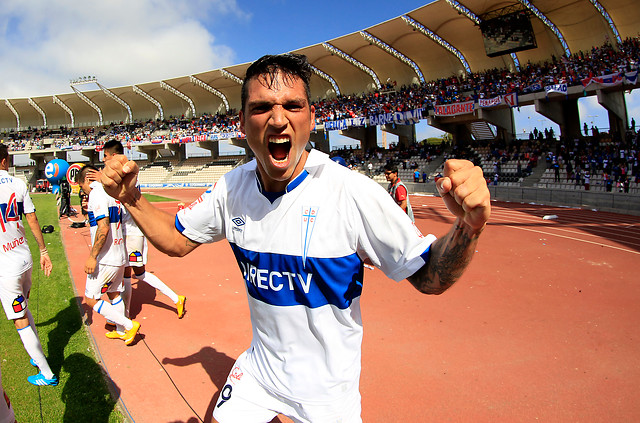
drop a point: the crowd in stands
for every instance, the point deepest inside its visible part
(616, 160)
(600, 61)
(604, 60)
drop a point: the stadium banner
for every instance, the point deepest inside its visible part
(631, 77)
(532, 88)
(409, 117)
(511, 99)
(216, 136)
(454, 109)
(610, 80)
(556, 88)
(342, 124)
(490, 102)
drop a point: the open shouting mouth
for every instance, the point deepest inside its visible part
(279, 148)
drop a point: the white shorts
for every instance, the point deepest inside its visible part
(244, 400)
(136, 248)
(104, 279)
(14, 293)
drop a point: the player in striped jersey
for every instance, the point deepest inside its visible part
(16, 264)
(301, 228)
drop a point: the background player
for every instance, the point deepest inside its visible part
(105, 265)
(301, 227)
(16, 264)
(135, 245)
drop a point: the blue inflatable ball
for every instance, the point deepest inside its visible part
(339, 160)
(55, 170)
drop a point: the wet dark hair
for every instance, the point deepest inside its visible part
(4, 152)
(290, 64)
(82, 174)
(114, 146)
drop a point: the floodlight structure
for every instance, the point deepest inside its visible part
(549, 24)
(66, 108)
(231, 76)
(395, 53)
(607, 18)
(327, 78)
(86, 80)
(15, 113)
(117, 100)
(435, 37)
(150, 99)
(180, 94)
(39, 110)
(204, 85)
(344, 56)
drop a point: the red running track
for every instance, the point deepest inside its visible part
(542, 326)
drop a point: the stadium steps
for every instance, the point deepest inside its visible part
(536, 175)
(481, 130)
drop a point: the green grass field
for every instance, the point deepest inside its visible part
(83, 393)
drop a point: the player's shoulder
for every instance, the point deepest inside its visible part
(322, 164)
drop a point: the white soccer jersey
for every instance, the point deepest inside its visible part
(15, 257)
(129, 226)
(103, 206)
(301, 257)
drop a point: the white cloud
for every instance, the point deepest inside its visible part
(44, 44)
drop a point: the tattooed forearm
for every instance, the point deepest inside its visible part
(101, 237)
(448, 258)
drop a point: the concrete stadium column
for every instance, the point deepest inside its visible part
(242, 143)
(179, 151)
(40, 162)
(502, 119)
(92, 154)
(320, 138)
(368, 136)
(616, 107)
(459, 131)
(150, 151)
(406, 133)
(564, 113)
(212, 146)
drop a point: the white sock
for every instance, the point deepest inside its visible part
(118, 304)
(126, 295)
(32, 322)
(155, 282)
(111, 312)
(34, 349)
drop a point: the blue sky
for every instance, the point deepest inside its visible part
(44, 44)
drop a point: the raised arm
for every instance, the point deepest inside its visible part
(45, 261)
(119, 179)
(465, 193)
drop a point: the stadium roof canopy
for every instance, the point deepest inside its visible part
(435, 41)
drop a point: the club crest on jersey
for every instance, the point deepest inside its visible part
(135, 257)
(309, 216)
(18, 304)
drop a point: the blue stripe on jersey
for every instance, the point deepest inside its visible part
(92, 219)
(114, 216)
(179, 225)
(283, 280)
(427, 253)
